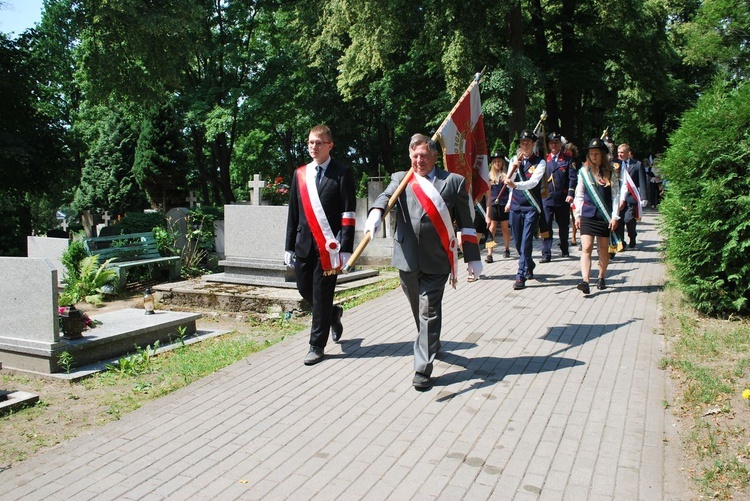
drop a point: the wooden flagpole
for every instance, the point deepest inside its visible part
(404, 182)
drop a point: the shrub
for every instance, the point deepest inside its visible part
(139, 222)
(707, 206)
(89, 283)
(71, 259)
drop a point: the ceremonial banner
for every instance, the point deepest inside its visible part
(461, 136)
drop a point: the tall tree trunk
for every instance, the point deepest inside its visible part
(197, 139)
(517, 95)
(544, 59)
(568, 90)
(222, 155)
(386, 138)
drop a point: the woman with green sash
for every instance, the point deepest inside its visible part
(596, 212)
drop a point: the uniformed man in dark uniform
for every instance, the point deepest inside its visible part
(562, 179)
(525, 203)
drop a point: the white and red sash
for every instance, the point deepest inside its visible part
(633, 189)
(435, 208)
(328, 246)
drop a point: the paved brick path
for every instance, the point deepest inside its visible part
(563, 402)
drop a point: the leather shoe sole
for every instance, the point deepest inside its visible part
(337, 329)
(421, 381)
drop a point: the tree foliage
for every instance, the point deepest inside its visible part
(707, 204)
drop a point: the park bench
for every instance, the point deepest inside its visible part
(131, 250)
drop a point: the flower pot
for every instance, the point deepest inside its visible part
(72, 323)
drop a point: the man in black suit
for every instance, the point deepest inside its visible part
(425, 247)
(630, 206)
(320, 235)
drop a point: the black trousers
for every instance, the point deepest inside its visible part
(561, 214)
(317, 290)
(627, 220)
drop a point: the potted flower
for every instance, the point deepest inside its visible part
(72, 322)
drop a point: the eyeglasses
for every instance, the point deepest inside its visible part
(317, 144)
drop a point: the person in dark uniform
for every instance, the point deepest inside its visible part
(630, 205)
(320, 235)
(561, 182)
(596, 202)
(496, 210)
(528, 170)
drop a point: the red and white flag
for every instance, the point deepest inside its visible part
(461, 136)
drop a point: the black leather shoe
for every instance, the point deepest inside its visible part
(421, 381)
(600, 284)
(519, 284)
(337, 329)
(583, 287)
(565, 254)
(489, 259)
(314, 356)
(545, 259)
(529, 274)
(507, 254)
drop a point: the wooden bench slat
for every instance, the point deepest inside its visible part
(131, 250)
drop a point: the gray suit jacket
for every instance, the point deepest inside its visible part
(417, 244)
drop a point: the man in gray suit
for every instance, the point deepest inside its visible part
(425, 248)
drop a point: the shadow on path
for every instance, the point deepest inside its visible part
(491, 370)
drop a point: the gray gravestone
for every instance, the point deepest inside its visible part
(30, 334)
(219, 237)
(28, 293)
(177, 222)
(48, 248)
(254, 246)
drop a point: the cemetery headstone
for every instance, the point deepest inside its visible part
(48, 248)
(191, 199)
(177, 222)
(256, 189)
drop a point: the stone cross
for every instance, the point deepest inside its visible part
(256, 185)
(64, 225)
(191, 199)
(106, 217)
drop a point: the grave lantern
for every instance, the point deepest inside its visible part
(148, 302)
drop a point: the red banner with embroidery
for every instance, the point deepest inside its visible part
(462, 138)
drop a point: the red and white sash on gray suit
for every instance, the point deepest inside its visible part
(328, 246)
(435, 208)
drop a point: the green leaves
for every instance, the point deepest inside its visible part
(707, 205)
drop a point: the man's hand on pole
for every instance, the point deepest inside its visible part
(373, 221)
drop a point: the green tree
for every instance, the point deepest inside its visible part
(718, 36)
(33, 156)
(107, 181)
(707, 204)
(161, 158)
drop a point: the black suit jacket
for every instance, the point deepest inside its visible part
(638, 174)
(337, 195)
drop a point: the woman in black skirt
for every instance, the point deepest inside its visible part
(496, 211)
(596, 210)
